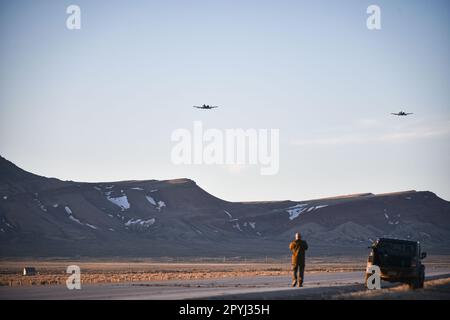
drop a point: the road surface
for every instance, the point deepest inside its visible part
(321, 285)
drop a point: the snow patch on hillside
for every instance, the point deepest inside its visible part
(144, 223)
(228, 214)
(121, 201)
(389, 220)
(237, 226)
(75, 219)
(316, 207)
(151, 200)
(41, 206)
(296, 210)
(158, 204)
(161, 204)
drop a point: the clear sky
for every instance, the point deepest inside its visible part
(100, 103)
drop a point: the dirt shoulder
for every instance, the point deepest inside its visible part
(438, 289)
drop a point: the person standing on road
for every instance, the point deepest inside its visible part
(298, 248)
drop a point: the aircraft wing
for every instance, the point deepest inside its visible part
(395, 114)
(197, 107)
(409, 113)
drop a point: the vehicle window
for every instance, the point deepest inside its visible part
(398, 248)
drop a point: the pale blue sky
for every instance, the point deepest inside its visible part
(100, 103)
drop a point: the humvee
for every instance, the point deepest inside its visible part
(398, 260)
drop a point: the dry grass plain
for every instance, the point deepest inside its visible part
(53, 272)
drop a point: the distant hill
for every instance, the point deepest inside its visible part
(42, 217)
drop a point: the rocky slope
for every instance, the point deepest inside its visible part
(40, 216)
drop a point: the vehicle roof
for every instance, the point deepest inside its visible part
(397, 240)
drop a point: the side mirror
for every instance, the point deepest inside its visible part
(423, 255)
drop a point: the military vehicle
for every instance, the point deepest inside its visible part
(398, 260)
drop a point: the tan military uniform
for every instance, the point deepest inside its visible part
(298, 248)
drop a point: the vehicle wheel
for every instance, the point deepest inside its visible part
(414, 283)
(421, 278)
(417, 283)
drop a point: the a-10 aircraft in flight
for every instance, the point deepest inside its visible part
(402, 113)
(205, 106)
